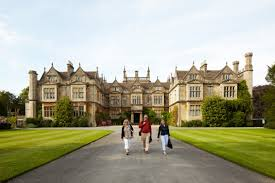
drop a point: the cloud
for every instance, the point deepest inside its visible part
(136, 34)
(6, 34)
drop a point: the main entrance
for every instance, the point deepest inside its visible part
(136, 118)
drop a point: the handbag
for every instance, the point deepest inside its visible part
(169, 144)
(150, 139)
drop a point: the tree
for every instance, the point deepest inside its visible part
(23, 96)
(245, 103)
(166, 116)
(7, 103)
(214, 111)
(63, 112)
(270, 77)
(269, 98)
(152, 115)
(174, 116)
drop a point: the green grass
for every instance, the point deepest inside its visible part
(23, 150)
(251, 148)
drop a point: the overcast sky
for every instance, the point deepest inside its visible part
(134, 34)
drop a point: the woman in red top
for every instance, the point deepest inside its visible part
(146, 132)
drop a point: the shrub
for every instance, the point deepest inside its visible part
(193, 123)
(166, 116)
(83, 121)
(12, 120)
(31, 125)
(101, 116)
(118, 121)
(4, 125)
(238, 119)
(214, 111)
(45, 123)
(174, 117)
(34, 121)
(63, 112)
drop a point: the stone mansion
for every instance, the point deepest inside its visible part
(91, 93)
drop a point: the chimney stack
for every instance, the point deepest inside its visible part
(236, 66)
(70, 68)
(248, 61)
(204, 66)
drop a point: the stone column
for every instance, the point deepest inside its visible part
(248, 72)
(32, 98)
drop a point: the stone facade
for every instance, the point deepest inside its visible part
(90, 93)
(189, 87)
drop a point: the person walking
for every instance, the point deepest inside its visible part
(127, 135)
(164, 135)
(145, 133)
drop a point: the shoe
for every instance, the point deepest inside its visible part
(127, 153)
(164, 153)
(146, 152)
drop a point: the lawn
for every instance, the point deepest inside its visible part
(251, 148)
(23, 150)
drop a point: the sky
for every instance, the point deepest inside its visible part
(133, 33)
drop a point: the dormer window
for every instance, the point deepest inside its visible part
(226, 77)
(52, 78)
(158, 88)
(192, 76)
(78, 78)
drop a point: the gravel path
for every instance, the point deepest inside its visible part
(104, 161)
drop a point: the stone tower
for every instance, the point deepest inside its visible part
(32, 94)
(248, 71)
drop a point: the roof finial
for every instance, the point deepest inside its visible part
(44, 69)
(176, 67)
(79, 64)
(226, 63)
(52, 64)
(124, 69)
(157, 77)
(193, 62)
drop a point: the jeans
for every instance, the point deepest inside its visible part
(164, 141)
(126, 143)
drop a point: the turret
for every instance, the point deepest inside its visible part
(248, 71)
(248, 61)
(31, 113)
(204, 67)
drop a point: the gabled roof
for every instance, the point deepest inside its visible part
(52, 69)
(79, 69)
(210, 74)
(223, 69)
(181, 74)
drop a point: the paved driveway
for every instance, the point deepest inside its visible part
(104, 161)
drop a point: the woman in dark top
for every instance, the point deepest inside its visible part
(164, 135)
